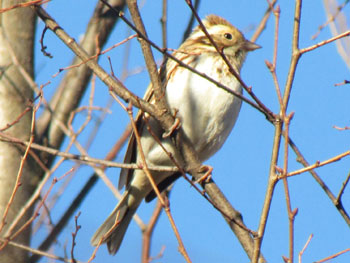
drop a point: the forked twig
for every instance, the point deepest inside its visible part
(342, 189)
(278, 123)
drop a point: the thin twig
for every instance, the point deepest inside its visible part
(164, 21)
(97, 55)
(20, 170)
(38, 252)
(330, 19)
(147, 233)
(333, 256)
(291, 214)
(325, 42)
(263, 22)
(81, 158)
(74, 235)
(318, 164)
(17, 119)
(43, 47)
(190, 23)
(328, 192)
(272, 67)
(304, 248)
(342, 83)
(26, 4)
(269, 192)
(342, 189)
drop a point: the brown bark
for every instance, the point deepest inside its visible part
(16, 33)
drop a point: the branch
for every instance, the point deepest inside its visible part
(80, 158)
(342, 189)
(273, 179)
(38, 252)
(318, 164)
(325, 188)
(325, 42)
(147, 233)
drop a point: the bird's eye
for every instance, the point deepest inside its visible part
(228, 36)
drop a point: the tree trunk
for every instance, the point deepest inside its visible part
(16, 43)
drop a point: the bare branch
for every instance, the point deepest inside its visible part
(38, 252)
(319, 164)
(342, 189)
(333, 256)
(147, 233)
(304, 248)
(325, 42)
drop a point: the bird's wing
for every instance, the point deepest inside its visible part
(167, 68)
(131, 151)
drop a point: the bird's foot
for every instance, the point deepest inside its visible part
(207, 176)
(175, 126)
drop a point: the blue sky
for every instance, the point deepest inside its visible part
(241, 166)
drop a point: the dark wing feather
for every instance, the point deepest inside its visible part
(131, 151)
(162, 186)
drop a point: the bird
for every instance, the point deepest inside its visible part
(206, 112)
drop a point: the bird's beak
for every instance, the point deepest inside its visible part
(250, 46)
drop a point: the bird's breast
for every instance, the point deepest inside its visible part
(207, 112)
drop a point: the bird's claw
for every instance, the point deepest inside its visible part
(175, 126)
(207, 176)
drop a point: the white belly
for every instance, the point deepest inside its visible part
(207, 112)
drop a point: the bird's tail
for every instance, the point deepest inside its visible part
(112, 231)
